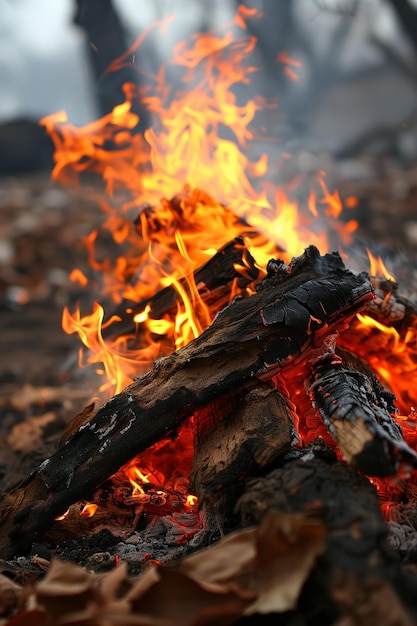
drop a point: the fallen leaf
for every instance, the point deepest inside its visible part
(29, 434)
(287, 548)
(225, 560)
(66, 588)
(34, 617)
(10, 593)
(257, 570)
(28, 395)
(175, 599)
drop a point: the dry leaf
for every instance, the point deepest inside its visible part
(273, 561)
(66, 588)
(225, 560)
(110, 583)
(253, 571)
(287, 548)
(29, 434)
(10, 594)
(178, 600)
(34, 617)
(28, 396)
(259, 570)
(65, 579)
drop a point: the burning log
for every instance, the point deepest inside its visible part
(214, 282)
(251, 341)
(359, 419)
(232, 436)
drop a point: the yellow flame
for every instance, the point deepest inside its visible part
(377, 267)
(178, 193)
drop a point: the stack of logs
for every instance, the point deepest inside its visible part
(286, 416)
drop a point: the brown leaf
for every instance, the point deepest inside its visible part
(252, 571)
(224, 561)
(66, 588)
(28, 396)
(34, 617)
(260, 570)
(175, 599)
(272, 561)
(65, 579)
(110, 583)
(29, 434)
(10, 594)
(287, 548)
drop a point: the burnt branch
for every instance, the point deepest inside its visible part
(359, 420)
(214, 281)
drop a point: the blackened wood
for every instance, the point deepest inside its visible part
(251, 340)
(310, 480)
(214, 280)
(392, 347)
(392, 308)
(359, 419)
(233, 437)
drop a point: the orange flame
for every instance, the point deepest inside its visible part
(377, 267)
(173, 197)
(88, 509)
(290, 63)
(200, 139)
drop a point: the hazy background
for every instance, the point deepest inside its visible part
(348, 84)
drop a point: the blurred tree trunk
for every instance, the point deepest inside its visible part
(106, 40)
(407, 15)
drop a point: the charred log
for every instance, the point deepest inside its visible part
(359, 420)
(251, 340)
(235, 436)
(311, 481)
(214, 280)
(390, 307)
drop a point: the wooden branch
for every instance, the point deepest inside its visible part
(214, 281)
(251, 340)
(233, 436)
(358, 419)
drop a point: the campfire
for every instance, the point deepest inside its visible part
(255, 406)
